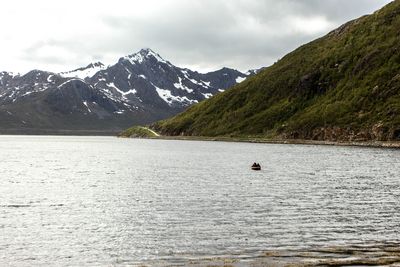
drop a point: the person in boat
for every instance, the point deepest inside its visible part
(256, 166)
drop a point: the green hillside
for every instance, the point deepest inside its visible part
(343, 86)
(138, 132)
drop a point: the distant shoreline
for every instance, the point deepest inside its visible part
(29, 131)
(377, 144)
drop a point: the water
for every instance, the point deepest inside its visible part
(79, 201)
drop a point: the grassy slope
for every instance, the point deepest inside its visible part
(345, 85)
(137, 131)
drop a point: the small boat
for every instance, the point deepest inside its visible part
(256, 167)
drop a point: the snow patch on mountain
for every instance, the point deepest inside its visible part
(240, 79)
(122, 93)
(208, 95)
(167, 96)
(69, 81)
(181, 86)
(49, 78)
(87, 72)
(86, 104)
(131, 91)
(206, 83)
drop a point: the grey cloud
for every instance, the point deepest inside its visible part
(241, 34)
(80, 53)
(48, 60)
(210, 34)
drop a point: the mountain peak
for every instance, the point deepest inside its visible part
(144, 55)
(94, 65)
(147, 51)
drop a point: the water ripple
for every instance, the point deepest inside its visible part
(83, 201)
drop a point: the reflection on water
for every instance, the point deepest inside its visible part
(102, 200)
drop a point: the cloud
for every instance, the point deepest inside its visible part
(202, 34)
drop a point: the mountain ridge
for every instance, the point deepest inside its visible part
(138, 89)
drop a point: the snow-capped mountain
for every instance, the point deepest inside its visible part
(139, 88)
(85, 72)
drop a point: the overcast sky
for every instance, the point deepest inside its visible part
(199, 34)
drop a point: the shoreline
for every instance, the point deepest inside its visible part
(361, 254)
(258, 140)
(370, 144)
(59, 132)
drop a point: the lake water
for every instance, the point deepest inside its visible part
(79, 201)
